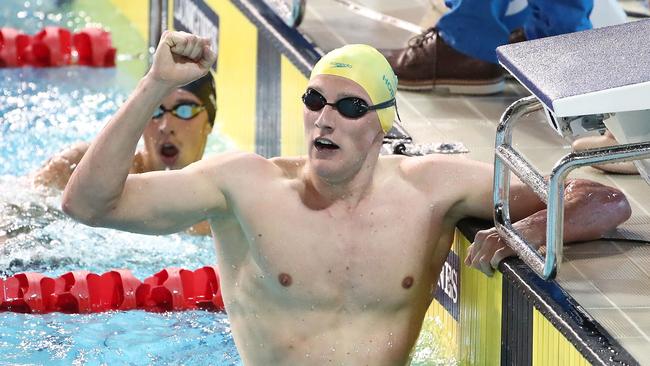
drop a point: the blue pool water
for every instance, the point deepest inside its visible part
(41, 112)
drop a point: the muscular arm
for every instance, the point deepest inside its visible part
(590, 210)
(101, 192)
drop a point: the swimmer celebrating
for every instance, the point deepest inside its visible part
(175, 136)
(327, 258)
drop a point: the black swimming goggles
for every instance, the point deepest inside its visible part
(185, 111)
(350, 107)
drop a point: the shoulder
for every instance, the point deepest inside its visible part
(450, 178)
(234, 168)
(138, 165)
(235, 161)
(436, 166)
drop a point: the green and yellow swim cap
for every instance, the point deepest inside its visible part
(367, 67)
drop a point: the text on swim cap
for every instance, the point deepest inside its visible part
(389, 85)
(340, 65)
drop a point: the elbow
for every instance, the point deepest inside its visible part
(596, 199)
(79, 212)
(621, 206)
(614, 202)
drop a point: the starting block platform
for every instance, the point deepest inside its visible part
(583, 77)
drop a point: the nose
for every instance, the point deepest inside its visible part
(325, 120)
(164, 125)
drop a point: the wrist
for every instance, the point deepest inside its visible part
(158, 86)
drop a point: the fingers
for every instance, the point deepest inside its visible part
(485, 267)
(500, 255)
(481, 254)
(208, 58)
(187, 45)
(195, 48)
(470, 254)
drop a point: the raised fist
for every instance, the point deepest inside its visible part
(181, 58)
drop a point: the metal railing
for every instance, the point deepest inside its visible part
(550, 190)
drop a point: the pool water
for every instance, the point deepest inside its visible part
(117, 338)
(41, 112)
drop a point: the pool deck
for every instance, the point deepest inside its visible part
(609, 279)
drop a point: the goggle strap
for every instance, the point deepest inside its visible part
(397, 112)
(386, 104)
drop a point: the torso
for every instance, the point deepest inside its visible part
(305, 285)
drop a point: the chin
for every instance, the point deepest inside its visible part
(327, 169)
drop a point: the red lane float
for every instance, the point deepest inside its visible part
(84, 292)
(14, 48)
(52, 46)
(94, 47)
(55, 47)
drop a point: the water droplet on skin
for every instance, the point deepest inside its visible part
(313, 307)
(307, 355)
(333, 349)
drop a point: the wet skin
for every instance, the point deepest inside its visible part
(337, 257)
(328, 258)
(185, 137)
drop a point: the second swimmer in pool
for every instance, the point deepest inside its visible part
(174, 138)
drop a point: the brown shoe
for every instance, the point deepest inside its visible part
(429, 63)
(517, 36)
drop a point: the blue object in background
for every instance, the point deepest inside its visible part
(477, 27)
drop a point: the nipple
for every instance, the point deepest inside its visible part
(284, 279)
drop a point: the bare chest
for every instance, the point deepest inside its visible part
(381, 255)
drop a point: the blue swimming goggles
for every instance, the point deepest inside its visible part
(185, 111)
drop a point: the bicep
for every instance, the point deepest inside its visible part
(476, 192)
(166, 202)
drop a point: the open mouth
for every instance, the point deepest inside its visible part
(325, 144)
(169, 154)
(168, 150)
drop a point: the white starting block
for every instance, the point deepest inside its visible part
(584, 81)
